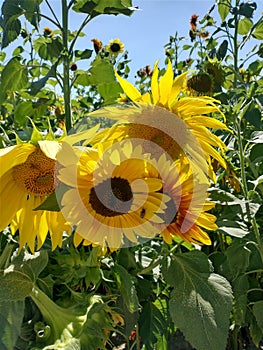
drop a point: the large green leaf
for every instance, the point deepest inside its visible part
(14, 77)
(201, 300)
(11, 317)
(98, 7)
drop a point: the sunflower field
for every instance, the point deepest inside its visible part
(131, 211)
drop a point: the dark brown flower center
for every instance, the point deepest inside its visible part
(37, 174)
(111, 197)
(115, 47)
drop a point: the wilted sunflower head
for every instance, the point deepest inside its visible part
(115, 47)
(97, 44)
(200, 84)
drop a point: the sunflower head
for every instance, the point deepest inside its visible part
(48, 32)
(97, 44)
(115, 47)
(200, 84)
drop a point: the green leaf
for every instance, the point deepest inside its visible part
(201, 301)
(36, 86)
(82, 55)
(101, 72)
(244, 25)
(50, 203)
(9, 22)
(222, 50)
(223, 9)
(126, 287)
(98, 7)
(14, 285)
(152, 325)
(255, 331)
(14, 77)
(109, 92)
(11, 317)
(31, 264)
(247, 9)
(22, 111)
(238, 256)
(253, 116)
(258, 313)
(258, 32)
(32, 11)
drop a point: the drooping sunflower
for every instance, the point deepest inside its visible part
(27, 177)
(166, 92)
(186, 213)
(112, 199)
(115, 47)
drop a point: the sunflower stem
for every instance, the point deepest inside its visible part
(66, 63)
(56, 317)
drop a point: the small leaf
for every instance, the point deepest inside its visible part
(50, 203)
(152, 325)
(36, 86)
(247, 9)
(82, 55)
(11, 317)
(22, 111)
(127, 289)
(258, 32)
(222, 50)
(258, 312)
(244, 25)
(223, 9)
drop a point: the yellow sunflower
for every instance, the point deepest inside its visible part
(112, 198)
(186, 213)
(27, 177)
(166, 92)
(115, 47)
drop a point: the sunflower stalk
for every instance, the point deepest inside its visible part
(66, 63)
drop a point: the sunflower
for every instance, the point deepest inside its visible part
(193, 110)
(115, 47)
(112, 199)
(27, 177)
(186, 213)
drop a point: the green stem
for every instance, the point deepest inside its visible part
(66, 63)
(56, 317)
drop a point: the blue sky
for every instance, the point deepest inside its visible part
(144, 33)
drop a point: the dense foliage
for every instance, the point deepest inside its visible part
(148, 295)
